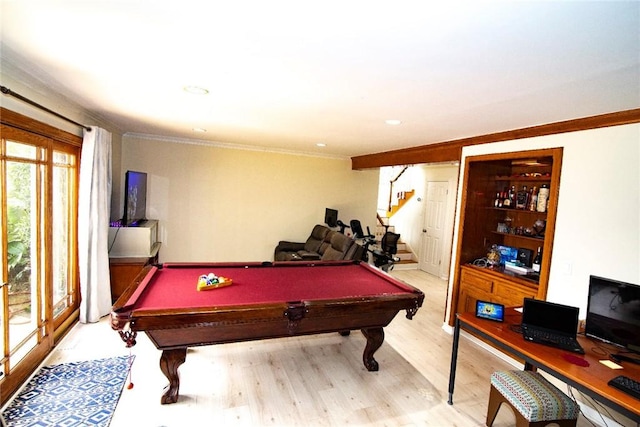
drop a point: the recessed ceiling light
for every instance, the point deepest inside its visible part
(199, 130)
(196, 90)
(393, 122)
(321, 144)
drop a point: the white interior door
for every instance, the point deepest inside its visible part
(433, 228)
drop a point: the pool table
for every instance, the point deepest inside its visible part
(265, 300)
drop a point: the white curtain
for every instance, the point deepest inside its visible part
(94, 206)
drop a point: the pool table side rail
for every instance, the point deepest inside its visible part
(137, 283)
(179, 318)
(269, 321)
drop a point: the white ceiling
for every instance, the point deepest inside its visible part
(286, 75)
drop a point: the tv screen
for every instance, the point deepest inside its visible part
(613, 312)
(135, 198)
(331, 217)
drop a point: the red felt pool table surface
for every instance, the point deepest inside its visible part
(265, 301)
(174, 285)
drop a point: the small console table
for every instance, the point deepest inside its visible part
(122, 270)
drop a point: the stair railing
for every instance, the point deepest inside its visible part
(393, 181)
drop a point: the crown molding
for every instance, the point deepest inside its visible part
(451, 151)
(219, 144)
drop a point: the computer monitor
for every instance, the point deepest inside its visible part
(613, 312)
(331, 217)
(356, 229)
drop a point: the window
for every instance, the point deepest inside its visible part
(65, 172)
(40, 290)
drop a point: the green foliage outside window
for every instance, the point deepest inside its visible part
(19, 224)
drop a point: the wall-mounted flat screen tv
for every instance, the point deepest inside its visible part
(613, 312)
(135, 198)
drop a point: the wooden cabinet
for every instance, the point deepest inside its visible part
(481, 284)
(485, 221)
(122, 271)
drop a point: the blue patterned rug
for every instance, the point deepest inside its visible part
(70, 394)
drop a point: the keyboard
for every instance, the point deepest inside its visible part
(626, 385)
(555, 340)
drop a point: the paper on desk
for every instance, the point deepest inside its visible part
(610, 364)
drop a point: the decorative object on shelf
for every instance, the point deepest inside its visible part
(517, 268)
(508, 221)
(494, 256)
(537, 261)
(507, 253)
(539, 227)
(533, 199)
(525, 256)
(522, 199)
(543, 196)
(498, 201)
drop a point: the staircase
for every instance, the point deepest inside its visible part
(403, 197)
(407, 261)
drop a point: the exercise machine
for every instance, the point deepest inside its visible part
(385, 257)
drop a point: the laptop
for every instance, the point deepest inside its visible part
(551, 324)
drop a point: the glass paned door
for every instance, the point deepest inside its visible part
(63, 232)
(25, 243)
(25, 246)
(40, 292)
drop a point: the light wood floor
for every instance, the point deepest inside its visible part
(308, 381)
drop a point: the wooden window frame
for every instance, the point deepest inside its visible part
(54, 328)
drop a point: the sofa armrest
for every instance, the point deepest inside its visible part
(354, 252)
(285, 246)
(307, 255)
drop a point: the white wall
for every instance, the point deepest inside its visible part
(222, 204)
(598, 219)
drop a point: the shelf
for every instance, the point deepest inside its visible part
(526, 211)
(542, 178)
(520, 236)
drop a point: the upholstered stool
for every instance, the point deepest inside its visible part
(535, 401)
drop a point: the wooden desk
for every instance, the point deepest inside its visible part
(590, 380)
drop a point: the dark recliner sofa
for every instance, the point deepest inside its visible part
(323, 244)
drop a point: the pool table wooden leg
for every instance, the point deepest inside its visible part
(375, 338)
(170, 361)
